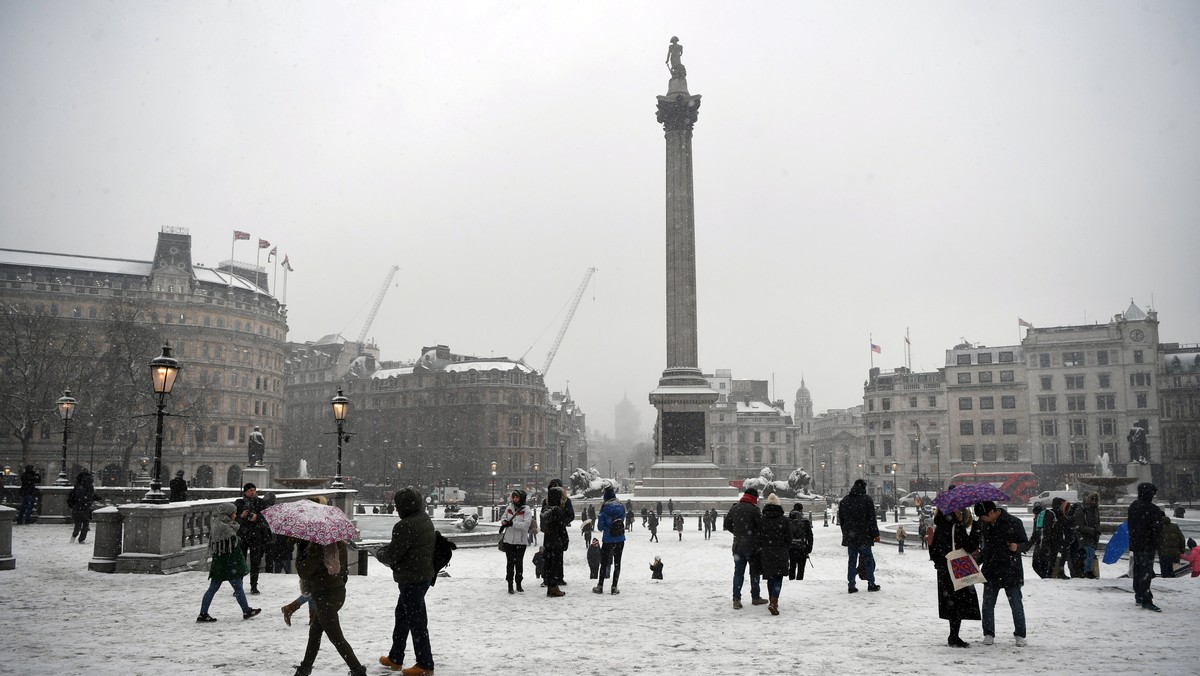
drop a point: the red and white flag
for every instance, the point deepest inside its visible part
(1022, 322)
(286, 265)
(272, 254)
(238, 234)
(876, 349)
(262, 244)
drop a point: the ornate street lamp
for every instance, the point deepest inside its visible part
(536, 481)
(163, 371)
(66, 408)
(562, 445)
(341, 406)
(493, 490)
(824, 479)
(895, 496)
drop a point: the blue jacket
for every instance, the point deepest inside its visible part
(612, 510)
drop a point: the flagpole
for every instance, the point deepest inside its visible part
(231, 246)
(871, 343)
(274, 273)
(908, 348)
(285, 271)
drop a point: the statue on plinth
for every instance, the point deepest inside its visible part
(257, 447)
(1138, 448)
(674, 59)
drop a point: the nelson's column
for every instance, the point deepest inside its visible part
(683, 469)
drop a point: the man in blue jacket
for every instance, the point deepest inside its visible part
(611, 524)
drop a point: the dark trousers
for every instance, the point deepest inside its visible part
(412, 619)
(325, 604)
(610, 557)
(1143, 572)
(254, 558)
(552, 571)
(514, 562)
(82, 523)
(796, 562)
(25, 514)
(1166, 567)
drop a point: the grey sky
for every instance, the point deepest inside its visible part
(859, 168)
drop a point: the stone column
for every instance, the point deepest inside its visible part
(7, 514)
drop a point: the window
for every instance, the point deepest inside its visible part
(933, 402)
(1047, 404)
(1102, 357)
(912, 402)
(887, 425)
(232, 433)
(887, 447)
(1106, 427)
(1105, 381)
(1049, 428)
(964, 360)
(967, 451)
(988, 452)
(1011, 452)
(983, 358)
(964, 378)
(1008, 401)
(1076, 402)
(1006, 376)
(1006, 357)
(1047, 383)
(966, 427)
(871, 447)
(1139, 379)
(870, 404)
(757, 437)
(1079, 452)
(514, 438)
(1142, 400)
(985, 376)
(1072, 359)
(887, 403)
(1074, 382)
(242, 435)
(1044, 361)
(771, 438)
(1050, 452)
(1078, 427)
(1139, 357)
(986, 403)
(987, 427)
(964, 403)
(1106, 402)
(1009, 426)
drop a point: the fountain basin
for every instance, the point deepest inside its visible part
(303, 482)
(1107, 486)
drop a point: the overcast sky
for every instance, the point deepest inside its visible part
(860, 169)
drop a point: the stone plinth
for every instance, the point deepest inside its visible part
(7, 515)
(1141, 472)
(259, 476)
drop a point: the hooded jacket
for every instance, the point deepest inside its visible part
(410, 553)
(774, 539)
(1173, 542)
(612, 510)
(519, 516)
(856, 516)
(744, 521)
(1087, 521)
(555, 520)
(1001, 566)
(1145, 521)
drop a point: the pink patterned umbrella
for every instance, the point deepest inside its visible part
(308, 520)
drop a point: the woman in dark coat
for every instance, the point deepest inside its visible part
(774, 540)
(228, 563)
(80, 501)
(554, 539)
(953, 531)
(322, 569)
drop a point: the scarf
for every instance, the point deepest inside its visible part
(746, 497)
(222, 535)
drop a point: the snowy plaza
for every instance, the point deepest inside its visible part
(58, 618)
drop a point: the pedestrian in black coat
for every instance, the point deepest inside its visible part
(1000, 537)
(1145, 536)
(81, 500)
(554, 539)
(593, 559)
(30, 479)
(253, 532)
(179, 488)
(774, 539)
(860, 531)
(744, 520)
(950, 533)
(802, 542)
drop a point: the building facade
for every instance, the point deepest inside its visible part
(748, 431)
(987, 409)
(1179, 417)
(841, 447)
(904, 415)
(225, 328)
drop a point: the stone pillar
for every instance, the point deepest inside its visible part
(7, 514)
(106, 538)
(259, 476)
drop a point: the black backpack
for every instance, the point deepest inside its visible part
(443, 551)
(616, 528)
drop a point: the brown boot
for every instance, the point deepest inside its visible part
(759, 602)
(555, 591)
(288, 610)
(774, 606)
(737, 604)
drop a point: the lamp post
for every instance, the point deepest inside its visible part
(66, 408)
(537, 468)
(562, 446)
(493, 490)
(895, 497)
(420, 461)
(975, 468)
(824, 479)
(812, 456)
(341, 406)
(163, 370)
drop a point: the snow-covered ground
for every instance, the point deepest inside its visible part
(58, 618)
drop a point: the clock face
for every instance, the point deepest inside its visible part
(1137, 334)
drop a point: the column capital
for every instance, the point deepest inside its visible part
(678, 112)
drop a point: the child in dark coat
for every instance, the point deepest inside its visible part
(593, 559)
(539, 562)
(656, 568)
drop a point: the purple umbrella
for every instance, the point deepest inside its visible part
(967, 495)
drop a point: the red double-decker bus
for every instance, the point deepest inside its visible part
(1020, 486)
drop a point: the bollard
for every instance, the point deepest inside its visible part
(106, 529)
(7, 562)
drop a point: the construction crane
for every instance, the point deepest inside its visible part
(362, 335)
(562, 331)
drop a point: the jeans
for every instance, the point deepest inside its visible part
(774, 586)
(214, 585)
(1089, 553)
(325, 620)
(25, 515)
(1143, 572)
(855, 551)
(411, 618)
(740, 560)
(990, 593)
(514, 562)
(610, 555)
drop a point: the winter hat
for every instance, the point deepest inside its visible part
(752, 491)
(179, 473)
(1146, 490)
(772, 499)
(658, 558)
(1191, 543)
(1057, 502)
(610, 493)
(860, 486)
(797, 507)
(248, 486)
